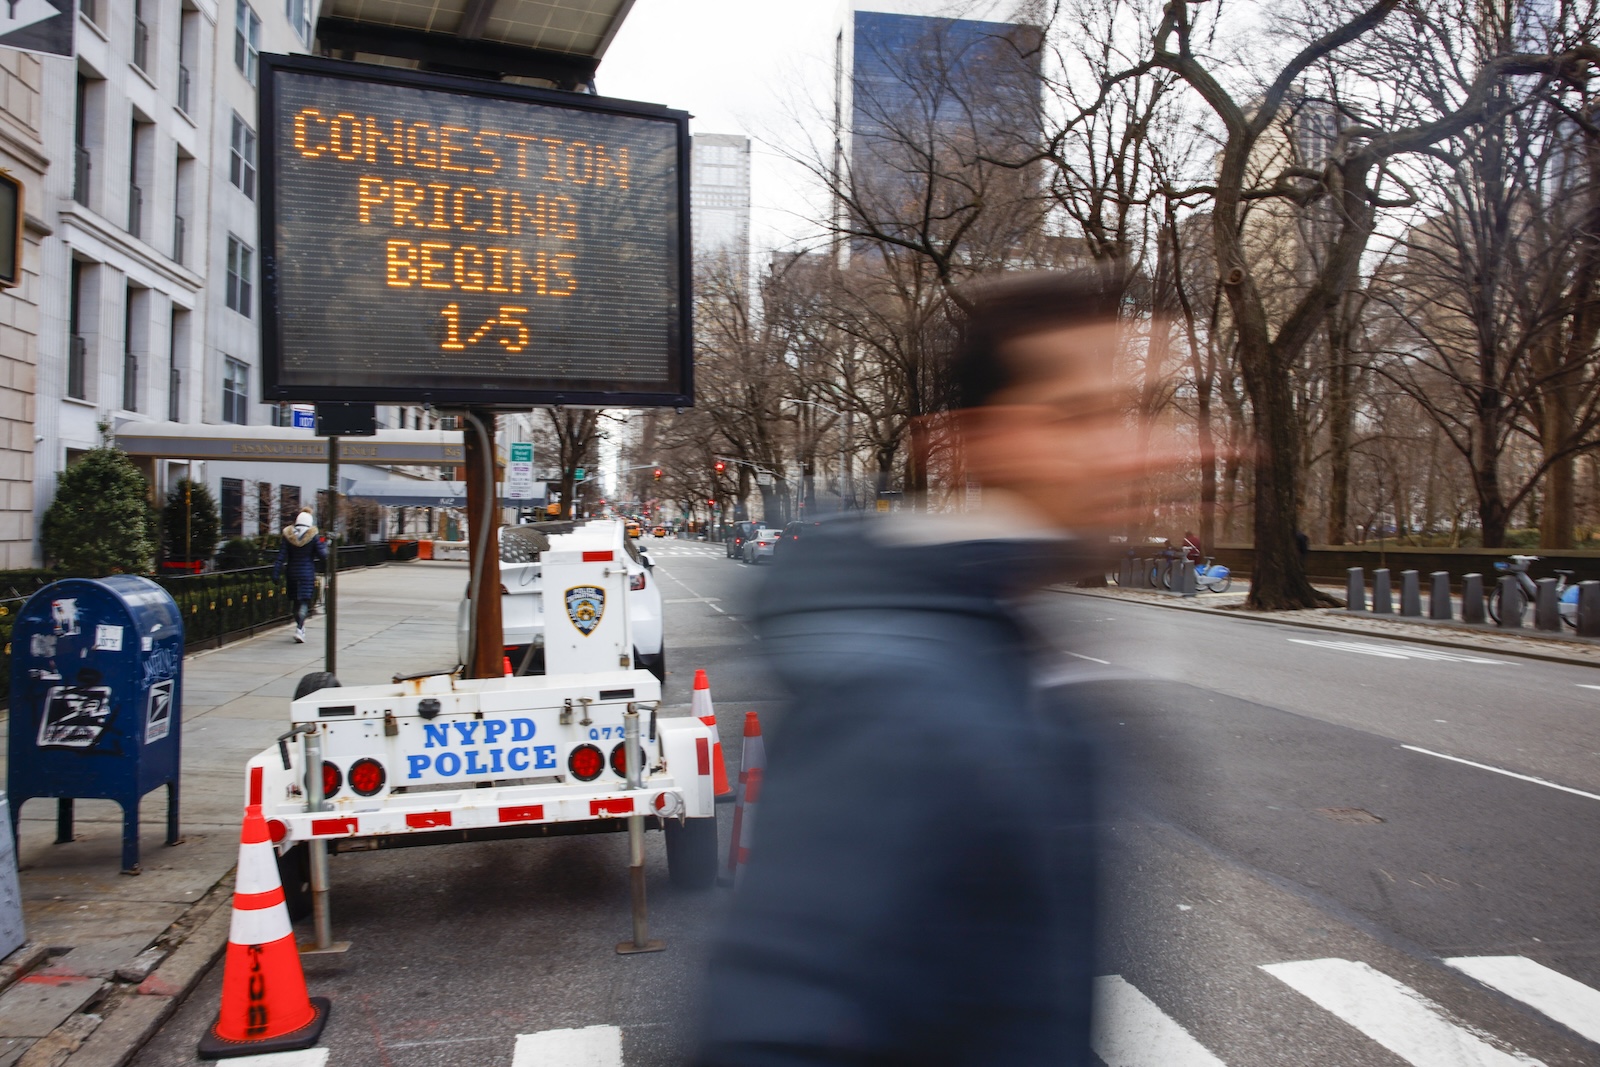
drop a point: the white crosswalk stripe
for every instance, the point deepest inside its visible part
(1131, 1030)
(1566, 1000)
(1393, 652)
(1394, 1015)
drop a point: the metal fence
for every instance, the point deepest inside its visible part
(217, 607)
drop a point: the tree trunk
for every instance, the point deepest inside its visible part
(1341, 419)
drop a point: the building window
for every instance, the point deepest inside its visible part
(298, 12)
(240, 268)
(288, 503)
(81, 160)
(78, 345)
(263, 508)
(232, 507)
(246, 41)
(141, 37)
(235, 392)
(242, 161)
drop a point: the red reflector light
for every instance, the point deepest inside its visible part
(331, 779)
(277, 829)
(367, 777)
(427, 819)
(619, 760)
(586, 763)
(598, 557)
(523, 813)
(636, 583)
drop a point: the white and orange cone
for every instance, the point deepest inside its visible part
(265, 1007)
(701, 709)
(752, 769)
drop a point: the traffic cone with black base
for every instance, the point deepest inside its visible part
(752, 770)
(265, 1007)
(701, 709)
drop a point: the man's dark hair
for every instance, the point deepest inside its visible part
(1014, 305)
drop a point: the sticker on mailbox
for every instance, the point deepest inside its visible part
(108, 638)
(158, 715)
(74, 716)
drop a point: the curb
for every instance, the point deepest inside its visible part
(1443, 640)
(112, 1028)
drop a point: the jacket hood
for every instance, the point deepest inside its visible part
(298, 535)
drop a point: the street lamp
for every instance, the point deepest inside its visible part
(843, 468)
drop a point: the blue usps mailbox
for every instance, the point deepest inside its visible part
(96, 691)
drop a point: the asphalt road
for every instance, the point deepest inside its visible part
(1285, 881)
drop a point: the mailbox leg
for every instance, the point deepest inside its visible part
(130, 836)
(173, 837)
(64, 821)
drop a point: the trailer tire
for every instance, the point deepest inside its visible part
(314, 681)
(294, 871)
(692, 853)
(655, 664)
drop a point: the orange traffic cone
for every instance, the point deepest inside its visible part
(505, 665)
(701, 708)
(752, 769)
(265, 1007)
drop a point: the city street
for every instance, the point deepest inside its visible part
(1321, 849)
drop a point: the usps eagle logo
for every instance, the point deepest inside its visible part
(585, 606)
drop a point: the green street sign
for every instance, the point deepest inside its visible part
(522, 451)
(578, 474)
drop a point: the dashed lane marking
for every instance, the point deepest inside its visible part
(592, 1046)
(1390, 652)
(1566, 1000)
(1396, 1016)
(1502, 770)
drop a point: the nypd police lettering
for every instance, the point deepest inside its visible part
(480, 746)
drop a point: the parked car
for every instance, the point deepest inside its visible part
(660, 531)
(761, 545)
(522, 593)
(738, 534)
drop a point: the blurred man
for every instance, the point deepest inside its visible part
(921, 888)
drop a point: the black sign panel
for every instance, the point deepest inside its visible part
(446, 240)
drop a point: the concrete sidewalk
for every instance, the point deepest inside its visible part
(1562, 647)
(109, 956)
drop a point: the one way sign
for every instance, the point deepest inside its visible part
(37, 25)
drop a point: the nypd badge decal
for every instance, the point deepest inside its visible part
(585, 605)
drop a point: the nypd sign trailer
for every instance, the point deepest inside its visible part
(437, 239)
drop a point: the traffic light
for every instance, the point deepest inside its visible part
(658, 474)
(720, 466)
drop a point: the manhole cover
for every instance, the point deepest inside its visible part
(1353, 815)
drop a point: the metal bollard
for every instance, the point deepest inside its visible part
(1355, 589)
(642, 941)
(1125, 572)
(1439, 595)
(1589, 609)
(1186, 585)
(1546, 605)
(1410, 594)
(1138, 574)
(1472, 598)
(1382, 592)
(1511, 603)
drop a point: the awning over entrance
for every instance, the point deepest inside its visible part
(424, 494)
(173, 440)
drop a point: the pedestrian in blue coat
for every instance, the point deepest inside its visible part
(921, 887)
(300, 551)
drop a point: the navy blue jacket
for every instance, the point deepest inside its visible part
(301, 560)
(922, 878)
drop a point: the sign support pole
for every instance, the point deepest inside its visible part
(330, 654)
(483, 548)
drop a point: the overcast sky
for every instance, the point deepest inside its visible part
(738, 66)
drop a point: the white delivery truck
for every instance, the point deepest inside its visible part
(437, 759)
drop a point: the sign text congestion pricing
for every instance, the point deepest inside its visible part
(474, 755)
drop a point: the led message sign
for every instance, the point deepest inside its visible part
(445, 240)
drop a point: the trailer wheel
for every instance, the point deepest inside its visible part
(314, 681)
(692, 853)
(294, 871)
(656, 664)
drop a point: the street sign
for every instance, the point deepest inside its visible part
(520, 483)
(578, 474)
(303, 417)
(763, 477)
(461, 241)
(38, 26)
